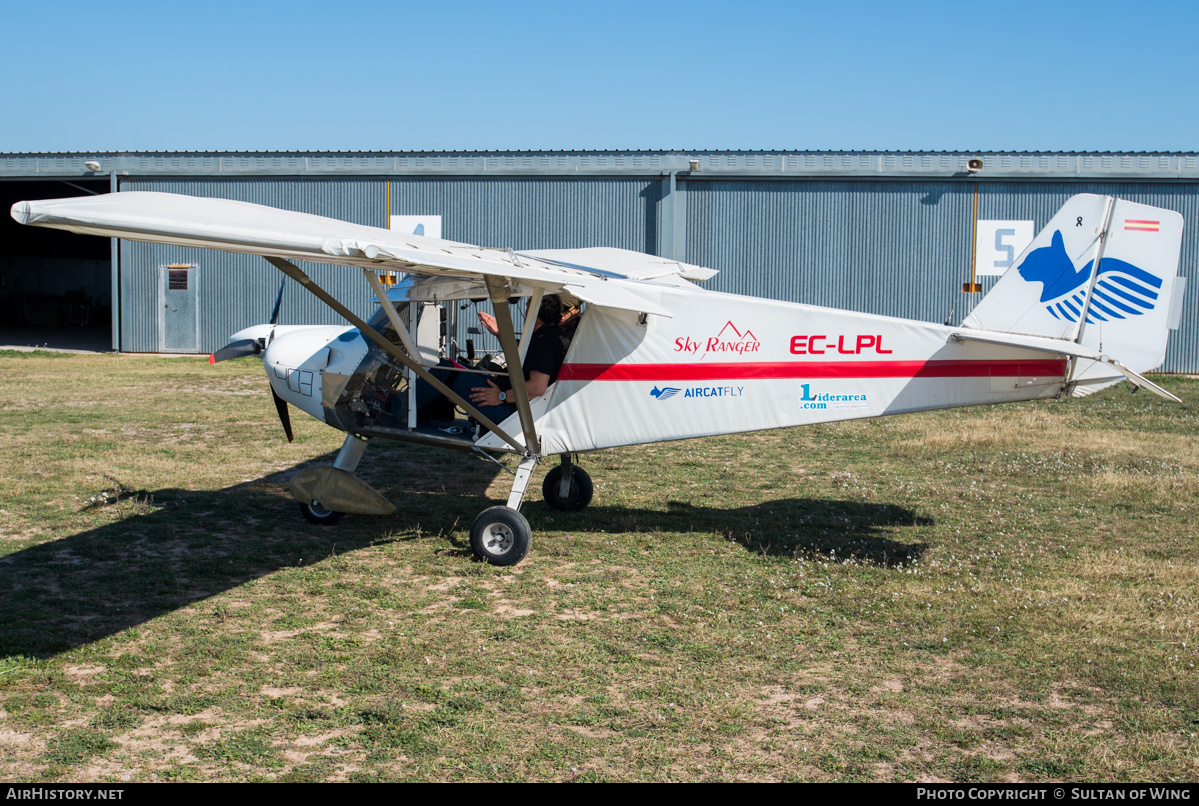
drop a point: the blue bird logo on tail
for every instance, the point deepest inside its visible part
(1122, 290)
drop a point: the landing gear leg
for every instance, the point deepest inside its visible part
(501, 535)
(350, 454)
(523, 471)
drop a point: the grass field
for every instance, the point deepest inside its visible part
(993, 594)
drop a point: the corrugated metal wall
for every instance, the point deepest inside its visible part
(533, 213)
(239, 290)
(894, 247)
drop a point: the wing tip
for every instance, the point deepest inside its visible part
(22, 212)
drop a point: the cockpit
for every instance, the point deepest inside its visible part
(436, 321)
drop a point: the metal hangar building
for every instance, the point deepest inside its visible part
(900, 233)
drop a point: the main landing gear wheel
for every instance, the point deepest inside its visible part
(577, 498)
(500, 536)
(317, 514)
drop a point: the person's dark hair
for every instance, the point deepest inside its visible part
(550, 311)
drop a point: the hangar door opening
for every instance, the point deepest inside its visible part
(55, 286)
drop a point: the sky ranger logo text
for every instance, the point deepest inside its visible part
(730, 339)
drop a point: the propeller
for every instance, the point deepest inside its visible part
(284, 415)
(280, 403)
(278, 303)
(236, 349)
(244, 347)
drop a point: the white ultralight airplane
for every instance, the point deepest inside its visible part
(1089, 303)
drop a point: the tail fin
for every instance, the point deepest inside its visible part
(1101, 274)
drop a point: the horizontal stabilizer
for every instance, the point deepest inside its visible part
(1061, 347)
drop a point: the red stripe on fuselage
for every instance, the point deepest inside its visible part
(814, 369)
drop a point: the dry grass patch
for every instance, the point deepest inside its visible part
(935, 597)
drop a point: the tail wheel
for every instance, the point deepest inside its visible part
(500, 536)
(315, 513)
(578, 495)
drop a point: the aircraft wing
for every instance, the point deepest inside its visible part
(612, 278)
(624, 262)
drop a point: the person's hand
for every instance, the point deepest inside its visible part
(488, 395)
(489, 324)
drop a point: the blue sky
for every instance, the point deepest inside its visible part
(361, 74)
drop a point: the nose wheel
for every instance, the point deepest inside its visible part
(500, 536)
(315, 513)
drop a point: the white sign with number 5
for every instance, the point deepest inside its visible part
(998, 244)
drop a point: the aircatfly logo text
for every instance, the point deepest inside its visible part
(696, 391)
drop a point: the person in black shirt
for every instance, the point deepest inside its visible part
(493, 396)
(547, 349)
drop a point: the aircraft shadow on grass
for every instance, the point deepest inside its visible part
(185, 546)
(832, 529)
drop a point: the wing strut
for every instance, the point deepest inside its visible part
(530, 322)
(294, 272)
(498, 292)
(389, 309)
(401, 333)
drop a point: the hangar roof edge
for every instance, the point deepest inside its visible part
(708, 164)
